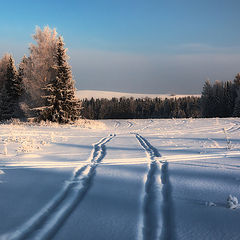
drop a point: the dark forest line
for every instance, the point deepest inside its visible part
(129, 108)
(221, 99)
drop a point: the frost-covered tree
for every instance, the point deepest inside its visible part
(37, 67)
(61, 104)
(11, 91)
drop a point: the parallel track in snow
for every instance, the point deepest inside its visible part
(234, 128)
(130, 124)
(157, 215)
(49, 220)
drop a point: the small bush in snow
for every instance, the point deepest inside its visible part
(232, 202)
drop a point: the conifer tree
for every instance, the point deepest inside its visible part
(236, 87)
(3, 69)
(61, 104)
(236, 112)
(218, 99)
(228, 99)
(11, 92)
(207, 100)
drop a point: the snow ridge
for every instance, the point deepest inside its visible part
(49, 220)
(156, 222)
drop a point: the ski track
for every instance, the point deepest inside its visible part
(214, 142)
(156, 221)
(130, 124)
(49, 220)
(117, 124)
(150, 122)
(234, 128)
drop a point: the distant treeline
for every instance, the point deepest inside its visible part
(125, 108)
(221, 99)
(42, 89)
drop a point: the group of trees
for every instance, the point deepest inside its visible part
(42, 87)
(221, 99)
(124, 108)
(11, 89)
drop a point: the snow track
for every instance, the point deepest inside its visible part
(49, 220)
(234, 128)
(117, 124)
(157, 217)
(130, 124)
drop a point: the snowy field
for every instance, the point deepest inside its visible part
(121, 179)
(82, 94)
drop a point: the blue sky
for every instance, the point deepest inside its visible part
(154, 46)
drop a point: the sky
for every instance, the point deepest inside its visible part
(153, 46)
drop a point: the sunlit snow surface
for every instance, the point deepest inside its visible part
(82, 94)
(121, 179)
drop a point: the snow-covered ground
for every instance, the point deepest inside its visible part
(82, 94)
(121, 179)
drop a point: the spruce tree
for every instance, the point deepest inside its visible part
(11, 92)
(20, 76)
(228, 99)
(236, 112)
(218, 99)
(61, 104)
(207, 100)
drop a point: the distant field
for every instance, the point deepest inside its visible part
(108, 94)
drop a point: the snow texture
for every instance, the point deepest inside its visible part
(121, 179)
